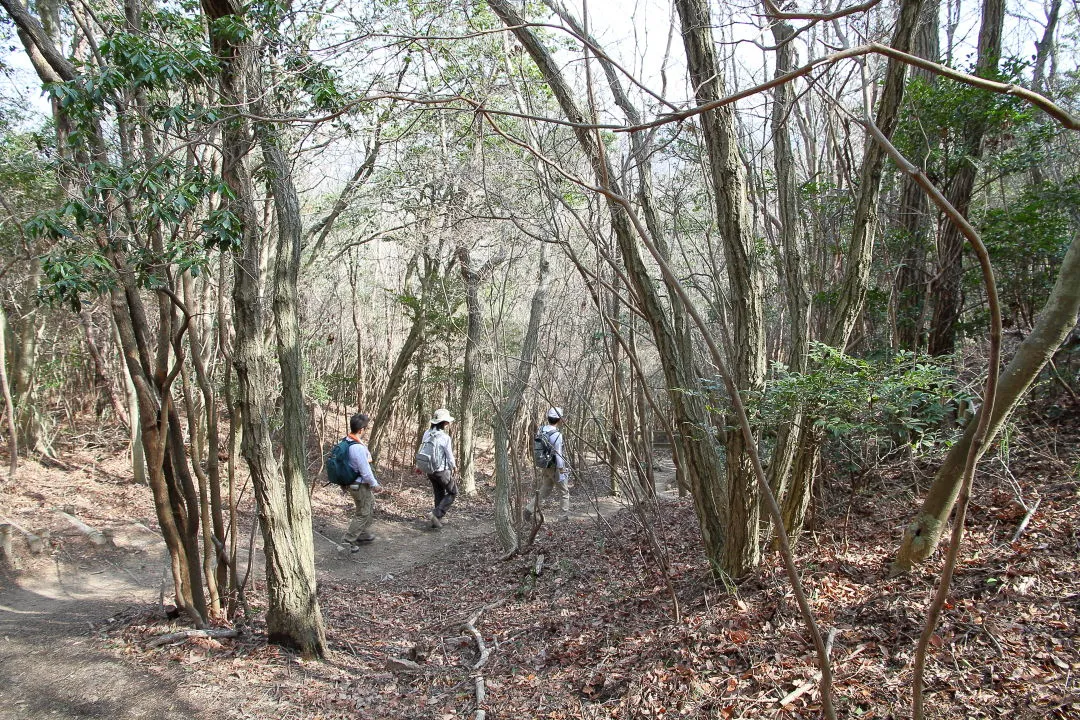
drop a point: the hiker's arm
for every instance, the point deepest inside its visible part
(557, 446)
(448, 446)
(358, 460)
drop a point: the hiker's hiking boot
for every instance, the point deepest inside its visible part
(435, 522)
(355, 545)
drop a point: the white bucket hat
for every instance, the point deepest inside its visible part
(555, 413)
(441, 415)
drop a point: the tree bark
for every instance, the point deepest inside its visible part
(690, 413)
(471, 367)
(385, 408)
(100, 374)
(293, 615)
(945, 289)
(860, 252)
(9, 405)
(792, 274)
(911, 284)
(1054, 323)
(507, 413)
(745, 285)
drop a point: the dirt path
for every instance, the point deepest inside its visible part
(403, 543)
(53, 662)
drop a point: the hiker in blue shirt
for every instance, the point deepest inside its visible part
(359, 531)
(436, 459)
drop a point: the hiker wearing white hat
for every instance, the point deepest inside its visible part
(549, 459)
(436, 459)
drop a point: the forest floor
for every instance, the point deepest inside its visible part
(594, 634)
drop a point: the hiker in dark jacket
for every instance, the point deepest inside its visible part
(359, 531)
(443, 483)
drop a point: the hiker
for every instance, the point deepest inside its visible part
(436, 459)
(365, 484)
(548, 457)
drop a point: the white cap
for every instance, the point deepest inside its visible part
(554, 413)
(441, 415)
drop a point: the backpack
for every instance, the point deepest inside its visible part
(338, 470)
(543, 450)
(427, 457)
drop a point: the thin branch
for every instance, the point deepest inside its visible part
(776, 13)
(933, 613)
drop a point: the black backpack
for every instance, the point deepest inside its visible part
(338, 470)
(543, 450)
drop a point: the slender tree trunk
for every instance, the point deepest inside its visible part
(506, 414)
(691, 416)
(1053, 325)
(745, 285)
(394, 383)
(915, 222)
(293, 615)
(216, 525)
(860, 252)
(793, 276)
(945, 289)
(9, 405)
(470, 371)
(26, 327)
(101, 376)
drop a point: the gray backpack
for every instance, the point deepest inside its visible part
(428, 456)
(543, 449)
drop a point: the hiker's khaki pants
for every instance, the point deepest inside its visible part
(548, 479)
(363, 515)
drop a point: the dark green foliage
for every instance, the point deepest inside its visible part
(937, 116)
(1027, 240)
(867, 408)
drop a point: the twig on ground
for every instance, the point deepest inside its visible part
(485, 655)
(188, 634)
(1027, 518)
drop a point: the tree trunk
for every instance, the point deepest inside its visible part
(26, 327)
(945, 289)
(792, 273)
(470, 371)
(691, 415)
(9, 405)
(385, 410)
(216, 526)
(915, 221)
(742, 551)
(507, 413)
(860, 252)
(293, 615)
(1054, 323)
(100, 375)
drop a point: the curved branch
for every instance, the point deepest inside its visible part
(933, 613)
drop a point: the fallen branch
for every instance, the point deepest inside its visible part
(485, 655)
(94, 535)
(188, 634)
(36, 543)
(1027, 518)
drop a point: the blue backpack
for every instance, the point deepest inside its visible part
(338, 470)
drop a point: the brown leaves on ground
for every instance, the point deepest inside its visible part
(593, 635)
